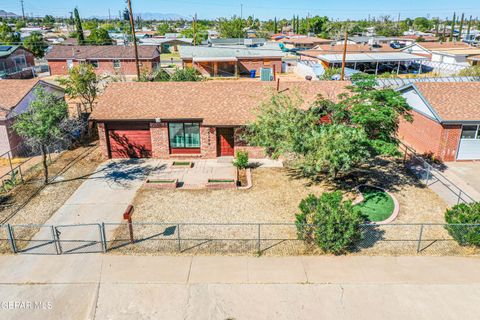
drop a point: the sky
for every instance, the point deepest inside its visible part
(263, 9)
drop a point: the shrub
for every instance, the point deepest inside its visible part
(241, 161)
(329, 222)
(464, 214)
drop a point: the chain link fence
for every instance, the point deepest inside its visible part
(433, 178)
(232, 239)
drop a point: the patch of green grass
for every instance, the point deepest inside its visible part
(181, 163)
(160, 181)
(220, 180)
(377, 204)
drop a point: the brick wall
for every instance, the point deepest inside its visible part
(244, 66)
(449, 142)
(428, 136)
(127, 67)
(208, 143)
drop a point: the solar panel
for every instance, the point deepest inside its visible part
(5, 48)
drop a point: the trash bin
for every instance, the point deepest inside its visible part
(253, 73)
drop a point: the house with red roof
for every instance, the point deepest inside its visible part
(190, 119)
(446, 119)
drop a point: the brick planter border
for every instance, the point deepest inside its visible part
(216, 185)
(169, 184)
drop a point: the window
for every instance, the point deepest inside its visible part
(69, 64)
(20, 61)
(116, 64)
(184, 135)
(471, 132)
(94, 63)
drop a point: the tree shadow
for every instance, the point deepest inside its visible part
(124, 172)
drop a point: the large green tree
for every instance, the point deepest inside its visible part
(7, 35)
(232, 28)
(36, 44)
(78, 27)
(99, 37)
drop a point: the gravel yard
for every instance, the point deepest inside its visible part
(274, 198)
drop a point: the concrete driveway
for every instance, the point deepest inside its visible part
(103, 197)
(466, 175)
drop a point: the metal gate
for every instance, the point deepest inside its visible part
(81, 238)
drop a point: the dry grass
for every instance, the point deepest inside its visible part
(274, 198)
(31, 206)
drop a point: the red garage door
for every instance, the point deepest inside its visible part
(129, 141)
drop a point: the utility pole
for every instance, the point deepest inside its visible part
(132, 25)
(194, 29)
(344, 57)
(241, 10)
(109, 16)
(23, 10)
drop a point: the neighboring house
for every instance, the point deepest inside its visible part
(15, 99)
(370, 59)
(105, 59)
(231, 61)
(455, 53)
(167, 45)
(446, 119)
(189, 120)
(234, 42)
(304, 43)
(16, 62)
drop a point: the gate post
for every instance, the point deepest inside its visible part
(103, 237)
(11, 238)
(420, 239)
(179, 238)
(56, 240)
(258, 240)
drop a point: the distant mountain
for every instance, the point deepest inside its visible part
(5, 14)
(153, 16)
(160, 16)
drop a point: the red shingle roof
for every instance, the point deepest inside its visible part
(12, 92)
(101, 52)
(216, 102)
(453, 101)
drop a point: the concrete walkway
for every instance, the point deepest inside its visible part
(144, 287)
(103, 197)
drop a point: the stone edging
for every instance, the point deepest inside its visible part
(396, 205)
(248, 173)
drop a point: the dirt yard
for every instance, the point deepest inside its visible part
(163, 217)
(30, 204)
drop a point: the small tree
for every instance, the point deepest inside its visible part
(7, 35)
(464, 214)
(241, 161)
(82, 83)
(329, 222)
(36, 44)
(186, 74)
(46, 124)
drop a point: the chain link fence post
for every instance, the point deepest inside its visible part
(459, 197)
(56, 242)
(420, 238)
(179, 238)
(258, 239)
(11, 238)
(103, 237)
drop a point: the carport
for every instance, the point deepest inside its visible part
(374, 61)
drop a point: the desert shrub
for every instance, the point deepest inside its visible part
(329, 222)
(241, 160)
(464, 214)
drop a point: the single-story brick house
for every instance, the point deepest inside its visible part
(446, 119)
(114, 60)
(15, 99)
(189, 119)
(231, 61)
(16, 62)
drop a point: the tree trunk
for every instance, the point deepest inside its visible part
(44, 162)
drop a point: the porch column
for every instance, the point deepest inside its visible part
(398, 68)
(215, 68)
(376, 69)
(236, 69)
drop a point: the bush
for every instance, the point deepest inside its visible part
(241, 161)
(329, 222)
(464, 214)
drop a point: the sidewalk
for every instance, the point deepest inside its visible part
(130, 287)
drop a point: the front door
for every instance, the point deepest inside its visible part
(225, 142)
